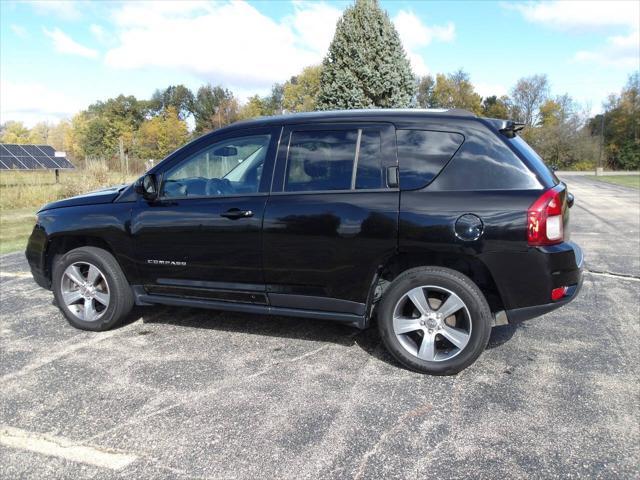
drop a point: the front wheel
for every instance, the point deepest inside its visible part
(91, 289)
(434, 320)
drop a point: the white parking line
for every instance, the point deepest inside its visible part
(15, 274)
(64, 448)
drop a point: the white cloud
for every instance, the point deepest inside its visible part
(34, 102)
(488, 89)
(231, 43)
(415, 35)
(580, 14)
(235, 44)
(314, 24)
(63, 43)
(64, 9)
(99, 33)
(19, 31)
(620, 51)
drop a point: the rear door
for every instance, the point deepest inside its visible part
(332, 218)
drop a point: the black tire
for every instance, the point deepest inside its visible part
(465, 289)
(120, 294)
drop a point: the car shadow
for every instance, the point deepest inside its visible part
(272, 326)
(286, 327)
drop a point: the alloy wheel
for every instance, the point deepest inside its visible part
(85, 291)
(432, 323)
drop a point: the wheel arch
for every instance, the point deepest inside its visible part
(468, 265)
(61, 244)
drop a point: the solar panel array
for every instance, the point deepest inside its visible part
(31, 157)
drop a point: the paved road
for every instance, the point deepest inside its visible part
(196, 394)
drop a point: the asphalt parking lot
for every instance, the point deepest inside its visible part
(199, 394)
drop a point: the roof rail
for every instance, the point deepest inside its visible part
(460, 112)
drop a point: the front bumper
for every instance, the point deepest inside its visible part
(36, 256)
(573, 275)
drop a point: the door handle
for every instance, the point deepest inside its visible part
(235, 213)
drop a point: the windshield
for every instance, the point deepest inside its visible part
(535, 161)
(255, 158)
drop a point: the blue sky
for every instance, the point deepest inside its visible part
(58, 57)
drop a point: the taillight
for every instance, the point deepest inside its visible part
(544, 218)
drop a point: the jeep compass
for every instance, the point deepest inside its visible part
(436, 225)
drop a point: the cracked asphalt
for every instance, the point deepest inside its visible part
(180, 393)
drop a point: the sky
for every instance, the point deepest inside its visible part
(58, 57)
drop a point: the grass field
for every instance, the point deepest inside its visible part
(23, 193)
(624, 180)
(15, 228)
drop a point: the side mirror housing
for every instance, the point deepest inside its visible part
(147, 186)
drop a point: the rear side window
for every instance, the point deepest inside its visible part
(326, 160)
(321, 160)
(422, 154)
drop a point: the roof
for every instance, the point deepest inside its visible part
(31, 157)
(344, 115)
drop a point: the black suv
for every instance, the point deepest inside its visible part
(439, 224)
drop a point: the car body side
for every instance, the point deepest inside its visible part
(347, 246)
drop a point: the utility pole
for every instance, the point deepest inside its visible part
(599, 169)
(122, 159)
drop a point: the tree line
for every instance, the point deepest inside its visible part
(365, 67)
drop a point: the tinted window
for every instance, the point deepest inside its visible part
(369, 172)
(422, 154)
(321, 160)
(534, 160)
(484, 162)
(228, 167)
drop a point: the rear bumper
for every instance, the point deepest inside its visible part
(571, 277)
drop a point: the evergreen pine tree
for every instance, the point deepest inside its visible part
(366, 66)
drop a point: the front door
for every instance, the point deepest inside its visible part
(202, 237)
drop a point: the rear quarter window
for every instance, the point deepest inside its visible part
(535, 161)
(422, 154)
(485, 162)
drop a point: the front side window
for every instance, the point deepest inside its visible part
(228, 167)
(321, 160)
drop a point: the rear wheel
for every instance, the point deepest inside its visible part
(434, 320)
(90, 289)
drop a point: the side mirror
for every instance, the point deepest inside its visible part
(147, 186)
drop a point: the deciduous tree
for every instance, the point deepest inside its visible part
(494, 107)
(14, 132)
(456, 91)
(527, 97)
(301, 91)
(160, 135)
(424, 95)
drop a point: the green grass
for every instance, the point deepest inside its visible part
(15, 228)
(632, 181)
(23, 193)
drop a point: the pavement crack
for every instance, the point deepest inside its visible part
(398, 426)
(603, 273)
